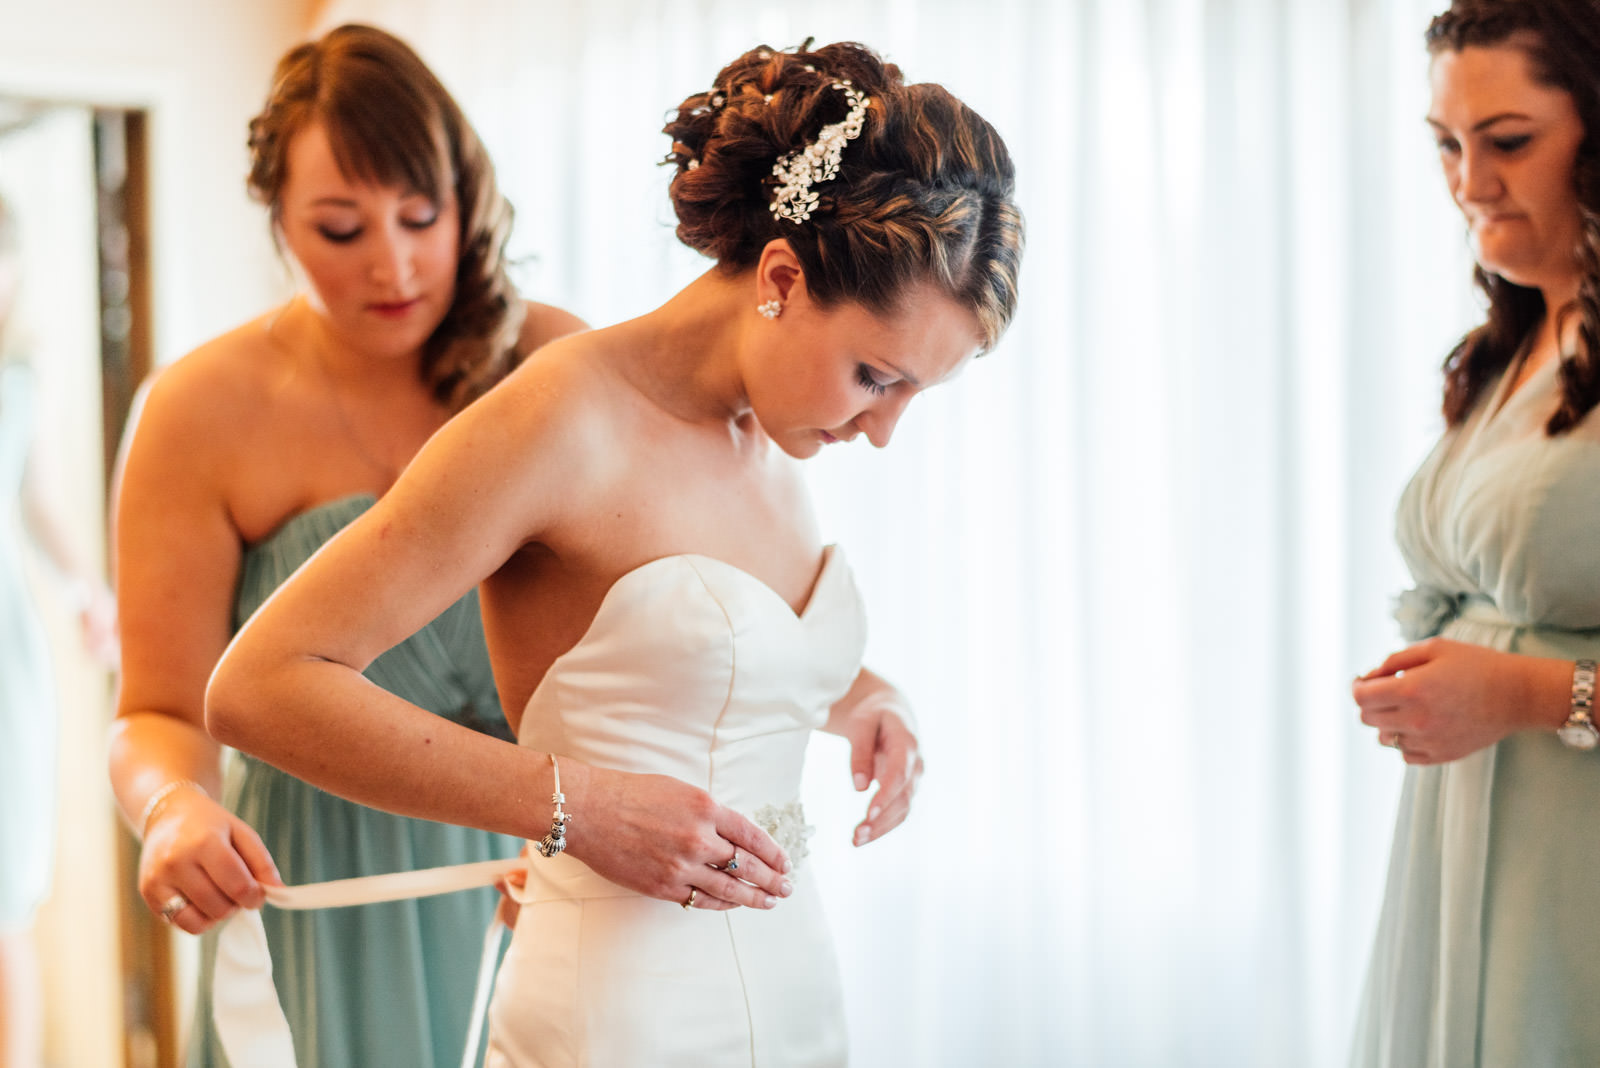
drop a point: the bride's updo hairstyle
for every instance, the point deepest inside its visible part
(923, 193)
(391, 122)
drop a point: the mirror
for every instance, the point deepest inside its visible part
(75, 178)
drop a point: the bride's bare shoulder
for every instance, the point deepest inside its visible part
(574, 378)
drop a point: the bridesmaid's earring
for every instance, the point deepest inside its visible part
(771, 309)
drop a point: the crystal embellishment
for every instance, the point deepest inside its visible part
(799, 170)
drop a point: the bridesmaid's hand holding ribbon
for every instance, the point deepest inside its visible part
(196, 850)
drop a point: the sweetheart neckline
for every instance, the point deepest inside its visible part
(829, 552)
(832, 558)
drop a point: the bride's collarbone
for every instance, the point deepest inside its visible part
(734, 503)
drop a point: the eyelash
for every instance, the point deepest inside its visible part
(347, 236)
(868, 383)
(1503, 145)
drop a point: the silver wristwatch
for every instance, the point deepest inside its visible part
(1579, 730)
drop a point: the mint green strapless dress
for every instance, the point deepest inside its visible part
(1488, 947)
(388, 984)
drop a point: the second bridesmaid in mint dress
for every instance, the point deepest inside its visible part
(1486, 951)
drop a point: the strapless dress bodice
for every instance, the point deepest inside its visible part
(696, 669)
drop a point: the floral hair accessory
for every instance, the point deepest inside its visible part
(799, 170)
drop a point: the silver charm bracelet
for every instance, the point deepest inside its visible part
(555, 841)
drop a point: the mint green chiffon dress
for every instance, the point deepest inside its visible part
(388, 984)
(1488, 945)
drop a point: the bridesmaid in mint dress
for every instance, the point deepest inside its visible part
(387, 983)
(248, 454)
(1486, 950)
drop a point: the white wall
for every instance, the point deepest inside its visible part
(202, 69)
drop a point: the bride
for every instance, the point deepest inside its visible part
(665, 625)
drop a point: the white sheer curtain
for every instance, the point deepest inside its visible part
(1129, 563)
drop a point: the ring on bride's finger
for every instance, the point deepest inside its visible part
(1394, 741)
(733, 863)
(688, 902)
(174, 905)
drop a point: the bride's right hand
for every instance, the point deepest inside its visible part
(663, 838)
(196, 848)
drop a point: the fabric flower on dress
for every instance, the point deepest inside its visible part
(1422, 612)
(788, 827)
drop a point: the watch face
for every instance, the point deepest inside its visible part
(1579, 735)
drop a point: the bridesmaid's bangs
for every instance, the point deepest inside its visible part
(389, 138)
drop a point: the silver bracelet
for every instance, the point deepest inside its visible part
(161, 795)
(556, 840)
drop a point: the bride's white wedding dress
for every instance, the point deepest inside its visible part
(696, 669)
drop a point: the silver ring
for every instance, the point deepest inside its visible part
(733, 865)
(688, 902)
(174, 905)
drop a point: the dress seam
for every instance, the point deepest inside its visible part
(733, 670)
(744, 987)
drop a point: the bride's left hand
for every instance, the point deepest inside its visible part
(877, 721)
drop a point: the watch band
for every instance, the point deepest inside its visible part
(1579, 730)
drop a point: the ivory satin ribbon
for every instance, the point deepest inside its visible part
(250, 1021)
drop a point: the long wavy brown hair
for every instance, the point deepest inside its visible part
(391, 122)
(923, 194)
(1562, 41)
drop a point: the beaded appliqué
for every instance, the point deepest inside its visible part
(788, 827)
(799, 170)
